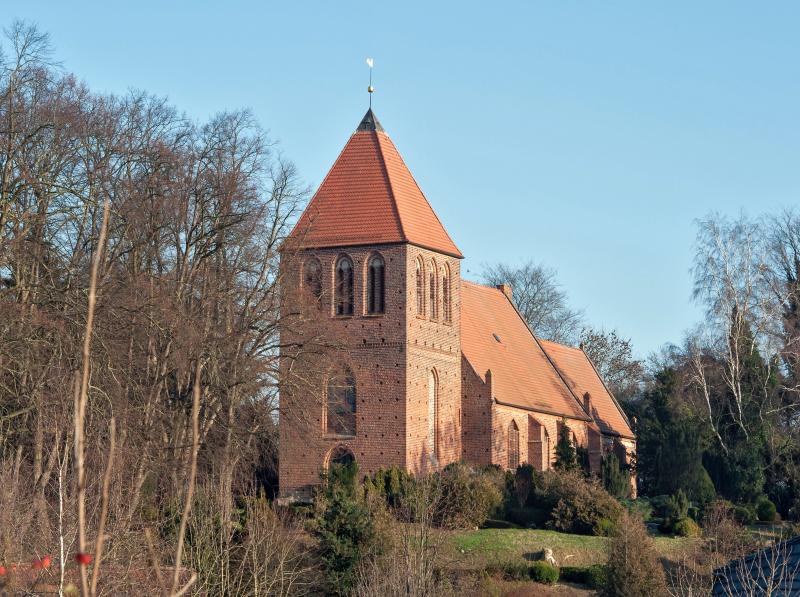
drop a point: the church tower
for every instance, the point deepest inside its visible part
(374, 279)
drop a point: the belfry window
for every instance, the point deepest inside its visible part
(434, 295)
(420, 285)
(344, 286)
(312, 278)
(513, 445)
(340, 416)
(375, 285)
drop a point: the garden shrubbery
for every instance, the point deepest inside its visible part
(766, 510)
(594, 577)
(540, 572)
(576, 504)
(469, 496)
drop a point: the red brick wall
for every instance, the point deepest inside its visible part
(476, 416)
(390, 356)
(433, 344)
(373, 346)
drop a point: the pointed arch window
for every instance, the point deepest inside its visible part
(420, 286)
(376, 301)
(312, 278)
(447, 314)
(344, 286)
(433, 398)
(340, 407)
(433, 288)
(513, 445)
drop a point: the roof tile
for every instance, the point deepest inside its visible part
(582, 377)
(522, 375)
(370, 197)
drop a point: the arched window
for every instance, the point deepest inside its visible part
(420, 284)
(375, 285)
(513, 445)
(446, 310)
(344, 286)
(434, 295)
(341, 455)
(340, 415)
(433, 391)
(312, 278)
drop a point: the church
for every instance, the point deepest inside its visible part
(419, 368)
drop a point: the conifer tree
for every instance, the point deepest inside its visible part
(566, 457)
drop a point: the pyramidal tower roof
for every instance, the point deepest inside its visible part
(370, 197)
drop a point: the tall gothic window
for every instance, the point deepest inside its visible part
(432, 289)
(344, 286)
(420, 284)
(375, 285)
(312, 278)
(433, 391)
(340, 415)
(446, 309)
(513, 445)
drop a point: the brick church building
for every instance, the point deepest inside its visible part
(423, 368)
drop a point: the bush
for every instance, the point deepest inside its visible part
(469, 496)
(766, 510)
(593, 577)
(744, 514)
(515, 571)
(577, 505)
(686, 527)
(543, 572)
(677, 506)
(640, 507)
(634, 568)
(604, 528)
(676, 510)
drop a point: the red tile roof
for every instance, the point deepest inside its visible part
(370, 197)
(582, 377)
(495, 337)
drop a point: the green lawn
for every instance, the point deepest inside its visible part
(475, 549)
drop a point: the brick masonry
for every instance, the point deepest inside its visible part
(392, 357)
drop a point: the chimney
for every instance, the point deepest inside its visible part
(507, 290)
(587, 403)
(489, 383)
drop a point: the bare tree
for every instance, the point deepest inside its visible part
(612, 356)
(540, 299)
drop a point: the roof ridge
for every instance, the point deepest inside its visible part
(321, 184)
(610, 393)
(389, 183)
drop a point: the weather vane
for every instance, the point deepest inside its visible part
(370, 89)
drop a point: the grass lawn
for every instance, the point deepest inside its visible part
(475, 549)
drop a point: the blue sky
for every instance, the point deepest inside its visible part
(584, 135)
